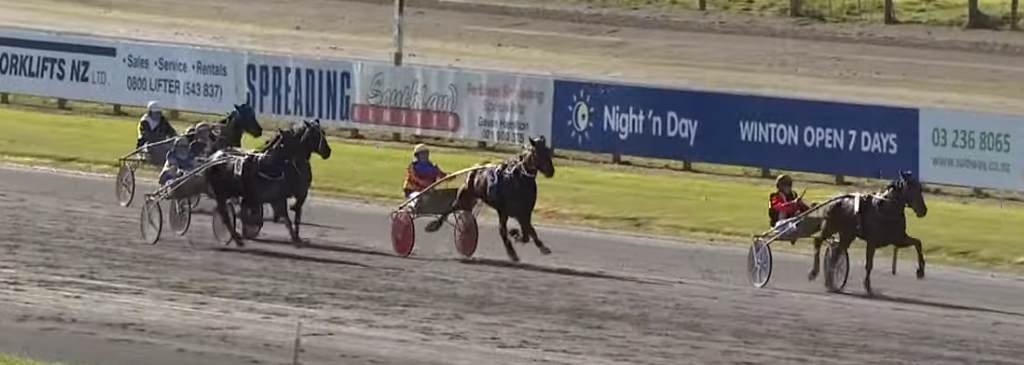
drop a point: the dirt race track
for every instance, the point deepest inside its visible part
(78, 285)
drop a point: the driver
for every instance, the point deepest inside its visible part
(153, 127)
(421, 172)
(180, 158)
(784, 202)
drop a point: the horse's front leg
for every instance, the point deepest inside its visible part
(920, 254)
(297, 209)
(526, 224)
(503, 231)
(281, 209)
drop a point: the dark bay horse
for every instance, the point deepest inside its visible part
(227, 133)
(879, 220)
(511, 189)
(269, 177)
(311, 139)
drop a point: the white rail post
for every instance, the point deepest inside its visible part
(5, 98)
(399, 36)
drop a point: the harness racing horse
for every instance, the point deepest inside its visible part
(270, 177)
(879, 220)
(511, 189)
(230, 129)
(299, 172)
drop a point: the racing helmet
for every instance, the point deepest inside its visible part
(420, 148)
(783, 180)
(153, 106)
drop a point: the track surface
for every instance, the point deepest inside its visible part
(78, 285)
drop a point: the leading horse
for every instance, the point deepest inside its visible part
(879, 220)
(269, 177)
(511, 189)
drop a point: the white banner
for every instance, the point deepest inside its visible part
(496, 108)
(291, 88)
(42, 64)
(972, 149)
(180, 77)
(118, 72)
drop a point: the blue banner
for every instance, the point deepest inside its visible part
(799, 135)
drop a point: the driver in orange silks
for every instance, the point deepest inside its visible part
(421, 172)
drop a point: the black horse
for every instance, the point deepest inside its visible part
(879, 220)
(311, 138)
(511, 189)
(230, 129)
(269, 177)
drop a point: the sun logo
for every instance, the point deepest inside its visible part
(581, 113)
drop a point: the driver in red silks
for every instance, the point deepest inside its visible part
(784, 202)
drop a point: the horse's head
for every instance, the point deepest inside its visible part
(538, 157)
(243, 119)
(314, 139)
(911, 192)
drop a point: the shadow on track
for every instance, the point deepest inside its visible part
(927, 303)
(315, 246)
(559, 271)
(297, 257)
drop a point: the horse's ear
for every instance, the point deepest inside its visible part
(533, 141)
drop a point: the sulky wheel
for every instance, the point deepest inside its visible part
(151, 221)
(403, 233)
(759, 264)
(252, 222)
(124, 186)
(466, 233)
(836, 274)
(221, 232)
(180, 215)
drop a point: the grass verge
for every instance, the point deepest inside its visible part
(13, 360)
(709, 207)
(929, 12)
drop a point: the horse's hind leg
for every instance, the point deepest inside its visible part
(895, 255)
(503, 231)
(869, 256)
(222, 211)
(529, 231)
(826, 231)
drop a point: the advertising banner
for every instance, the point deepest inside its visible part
(972, 149)
(834, 138)
(180, 77)
(118, 72)
(293, 88)
(449, 103)
(38, 63)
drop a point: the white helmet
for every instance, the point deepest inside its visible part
(420, 148)
(153, 106)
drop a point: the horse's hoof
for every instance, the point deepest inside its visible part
(867, 288)
(239, 242)
(813, 274)
(545, 250)
(920, 274)
(513, 257)
(434, 226)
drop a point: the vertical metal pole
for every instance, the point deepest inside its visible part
(399, 36)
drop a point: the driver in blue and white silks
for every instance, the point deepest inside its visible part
(180, 159)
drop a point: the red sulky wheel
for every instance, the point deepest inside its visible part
(403, 233)
(466, 233)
